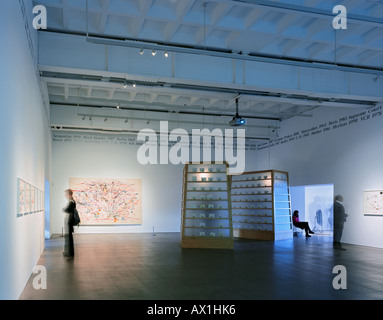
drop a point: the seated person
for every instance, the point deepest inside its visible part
(301, 224)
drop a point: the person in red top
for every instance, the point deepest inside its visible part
(301, 224)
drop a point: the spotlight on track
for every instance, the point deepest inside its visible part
(142, 51)
(154, 52)
(134, 85)
(166, 54)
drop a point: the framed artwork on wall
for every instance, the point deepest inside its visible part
(107, 201)
(30, 199)
(373, 203)
(33, 199)
(28, 202)
(22, 204)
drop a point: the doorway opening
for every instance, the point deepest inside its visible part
(47, 203)
(315, 205)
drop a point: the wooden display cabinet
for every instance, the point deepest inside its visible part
(260, 202)
(206, 210)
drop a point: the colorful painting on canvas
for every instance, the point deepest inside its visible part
(105, 201)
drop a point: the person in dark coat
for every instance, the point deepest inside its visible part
(339, 220)
(68, 224)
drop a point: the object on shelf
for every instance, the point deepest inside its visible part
(216, 196)
(269, 205)
(194, 178)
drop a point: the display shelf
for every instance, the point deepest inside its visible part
(270, 217)
(206, 207)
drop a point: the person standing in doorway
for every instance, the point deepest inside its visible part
(339, 220)
(68, 224)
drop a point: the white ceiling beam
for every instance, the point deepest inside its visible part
(139, 23)
(111, 93)
(104, 15)
(254, 16)
(66, 92)
(211, 71)
(66, 14)
(172, 27)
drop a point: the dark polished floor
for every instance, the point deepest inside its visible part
(140, 266)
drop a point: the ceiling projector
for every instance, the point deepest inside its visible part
(237, 121)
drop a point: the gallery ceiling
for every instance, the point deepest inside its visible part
(293, 30)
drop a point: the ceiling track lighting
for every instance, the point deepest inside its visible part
(154, 52)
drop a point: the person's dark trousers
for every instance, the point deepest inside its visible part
(338, 236)
(69, 244)
(303, 226)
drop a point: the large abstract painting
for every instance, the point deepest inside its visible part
(373, 202)
(105, 201)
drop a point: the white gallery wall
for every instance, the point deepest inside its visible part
(25, 149)
(93, 155)
(161, 184)
(348, 156)
(97, 155)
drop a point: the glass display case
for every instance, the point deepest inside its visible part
(260, 203)
(206, 211)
